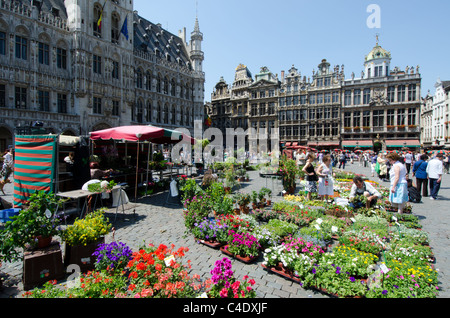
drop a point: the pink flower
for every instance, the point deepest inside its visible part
(223, 293)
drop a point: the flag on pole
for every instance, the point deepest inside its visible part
(124, 30)
(99, 22)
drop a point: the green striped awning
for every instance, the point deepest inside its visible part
(34, 166)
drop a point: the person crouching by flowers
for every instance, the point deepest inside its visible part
(399, 186)
(361, 188)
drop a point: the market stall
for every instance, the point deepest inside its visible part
(138, 136)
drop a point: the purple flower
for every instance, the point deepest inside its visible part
(352, 279)
(384, 292)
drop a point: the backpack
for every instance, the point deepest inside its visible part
(414, 195)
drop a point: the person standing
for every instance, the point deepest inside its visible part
(325, 173)
(446, 164)
(373, 162)
(8, 164)
(398, 195)
(342, 160)
(420, 172)
(435, 170)
(311, 176)
(408, 161)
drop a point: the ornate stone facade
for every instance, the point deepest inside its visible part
(61, 67)
(326, 110)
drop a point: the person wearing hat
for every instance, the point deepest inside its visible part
(435, 169)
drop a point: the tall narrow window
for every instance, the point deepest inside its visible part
(357, 119)
(390, 117)
(97, 23)
(2, 95)
(115, 70)
(61, 58)
(347, 97)
(139, 79)
(21, 97)
(2, 43)
(391, 94)
(357, 97)
(97, 109)
(401, 90)
(139, 112)
(115, 31)
(97, 64)
(62, 103)
(366, 96)
(44, 101)
(115, 108)
(44, 53)
(412, 92)
(21, 48)
(148, 81)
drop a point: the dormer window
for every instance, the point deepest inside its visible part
(55, 12)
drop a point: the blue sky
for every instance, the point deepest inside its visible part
(279, 34)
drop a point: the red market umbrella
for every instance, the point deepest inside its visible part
(129, 133)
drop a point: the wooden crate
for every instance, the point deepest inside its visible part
(42, 265)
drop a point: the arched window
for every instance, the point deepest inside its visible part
(139, 112)
(148, 81)
(174, 115)
(166, 114)
(115, 31)
(139, 78)
(166, 85)
(159, 83)
(97, 23)
(148, 112)
(173, 88)
(159, 113)
(181, 116)
(181, 90)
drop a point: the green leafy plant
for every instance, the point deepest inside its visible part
(38, 219)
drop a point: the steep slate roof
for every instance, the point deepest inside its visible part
(149, 37)
(446, 85)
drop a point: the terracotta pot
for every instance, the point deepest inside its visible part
(43, 242)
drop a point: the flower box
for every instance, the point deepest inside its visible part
(212, 244)
(244, 259)
(280, 270)
(42, 265)
(81, 255)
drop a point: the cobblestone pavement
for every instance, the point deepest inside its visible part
(153, 220)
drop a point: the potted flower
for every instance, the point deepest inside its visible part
(112, 257)
(288, 170)
(33, 227)
(242, 246)
(242, 200)
(83, 237)
(211, 233)
(225, 285)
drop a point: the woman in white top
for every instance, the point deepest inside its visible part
(325, 173)
(399, 185)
